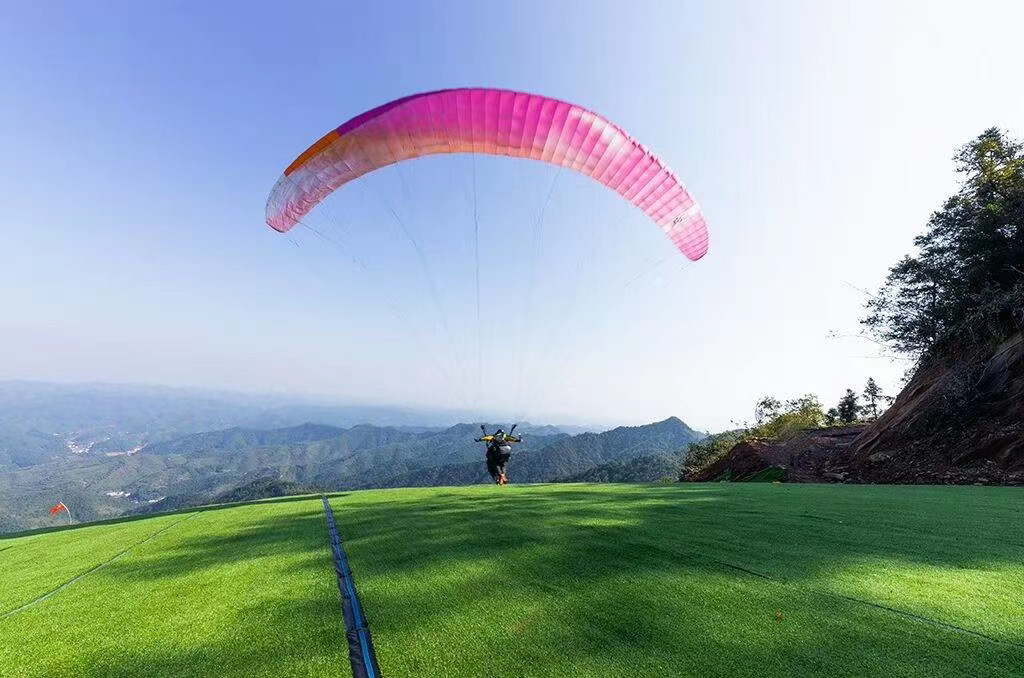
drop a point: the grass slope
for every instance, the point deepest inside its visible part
(31, 570)
(549, 580)
(242, 591)
(690, 579)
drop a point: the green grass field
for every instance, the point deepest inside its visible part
(557, 580)
(244, 591)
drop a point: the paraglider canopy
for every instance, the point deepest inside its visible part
(496, 122)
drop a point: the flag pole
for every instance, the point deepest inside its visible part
(56, 509)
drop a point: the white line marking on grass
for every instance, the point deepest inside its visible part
(878, 606)
(71, 581)
(928, 620)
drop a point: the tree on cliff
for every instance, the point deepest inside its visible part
(848, 407)
(874, 397)
(966, 279)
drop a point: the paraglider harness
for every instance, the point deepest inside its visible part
(499, 450)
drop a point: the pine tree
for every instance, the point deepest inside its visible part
(873, 395)
(848, 408)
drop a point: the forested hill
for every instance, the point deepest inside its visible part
(646, 469)
(626, 454)
(240, 439)
(577, 454)
(953, 306)
(42, 422)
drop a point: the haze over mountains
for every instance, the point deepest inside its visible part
(110, 450)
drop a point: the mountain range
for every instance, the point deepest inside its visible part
(110, 454)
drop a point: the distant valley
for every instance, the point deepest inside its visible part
(109, 451)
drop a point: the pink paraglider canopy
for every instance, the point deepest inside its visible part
(498, 122)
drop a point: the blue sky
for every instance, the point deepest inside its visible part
(141, 139)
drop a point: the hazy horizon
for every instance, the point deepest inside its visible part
(432, 415)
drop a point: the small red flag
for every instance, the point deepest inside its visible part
(54, 510)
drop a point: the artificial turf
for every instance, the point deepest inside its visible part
(242, 591)
(36, 565)
(691, 580)
(552, 580)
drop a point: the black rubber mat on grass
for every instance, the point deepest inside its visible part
(360, 644)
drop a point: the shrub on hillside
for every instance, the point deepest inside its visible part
(775, 419)
(702, 454)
